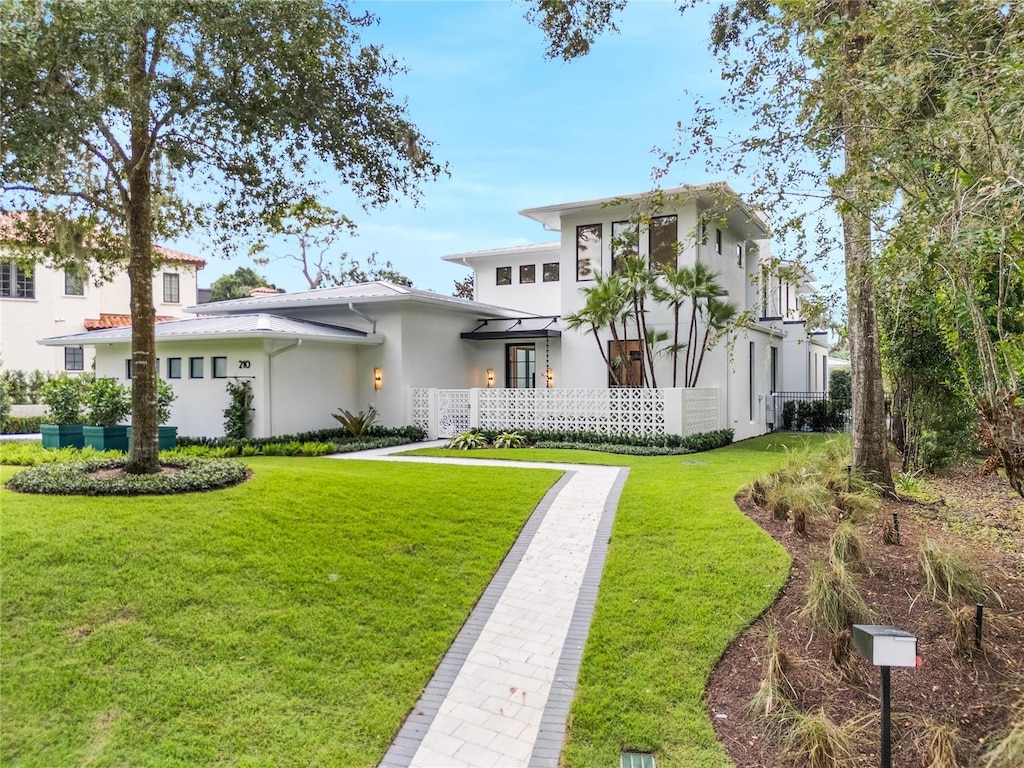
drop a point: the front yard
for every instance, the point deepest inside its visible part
(291, 620)
(294, 619)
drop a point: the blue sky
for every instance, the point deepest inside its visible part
(517, 130)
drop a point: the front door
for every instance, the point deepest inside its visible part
(520, 366)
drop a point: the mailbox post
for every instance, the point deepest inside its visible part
(885, 647)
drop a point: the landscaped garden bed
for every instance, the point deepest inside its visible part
(959, 701)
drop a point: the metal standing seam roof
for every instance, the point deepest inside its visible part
(511, 250)
(231, 326)
(364, 293)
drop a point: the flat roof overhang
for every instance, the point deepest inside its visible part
(514, 331)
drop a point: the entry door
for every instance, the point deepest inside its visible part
(521, 366)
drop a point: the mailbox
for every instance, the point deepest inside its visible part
(885, 646)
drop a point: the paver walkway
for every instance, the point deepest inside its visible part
(500, 697)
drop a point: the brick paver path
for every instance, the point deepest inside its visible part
(501, 695)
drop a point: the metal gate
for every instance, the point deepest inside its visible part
(452, 412)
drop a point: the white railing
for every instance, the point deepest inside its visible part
(676, 411)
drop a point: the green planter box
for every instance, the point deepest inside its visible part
(106, 438)
(167, 437)
(62, 435)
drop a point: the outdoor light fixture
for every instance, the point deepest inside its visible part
(549, 378)
(886, 647)
(376, 379)
(490, 378)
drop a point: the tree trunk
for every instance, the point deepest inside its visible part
(143, 457)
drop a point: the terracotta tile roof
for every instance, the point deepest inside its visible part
(117, 321)
(8, 230)
(264, 290)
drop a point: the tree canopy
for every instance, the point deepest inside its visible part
(125, 121)
(238, 285)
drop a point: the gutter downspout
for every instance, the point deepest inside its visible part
(270, 383)
(365, 317)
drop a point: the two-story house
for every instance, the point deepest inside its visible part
(38, 302)
(309, 353)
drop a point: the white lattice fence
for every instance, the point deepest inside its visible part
(452, 412)
(420, 400)
(608, 411)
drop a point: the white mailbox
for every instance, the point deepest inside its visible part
(885, 646)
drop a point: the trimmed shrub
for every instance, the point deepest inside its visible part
(510, 440)
(90, 478)
(467, 441)
(22, 425)
(107, 401)
(357, 424)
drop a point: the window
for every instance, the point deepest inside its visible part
(550, 272)
(174, 368)
(750, 383)
(739, 255)
(588, 250)
(16, 282)
(74, 282)
(775, 369)
(718, 241)
(128, 369)
(527, 273)
(220, 367)
(171, 288)
(662, 237)
(195, 367)
(625, 241)
(520, 366)
(627, 363)
(503, 276)
(74, 359)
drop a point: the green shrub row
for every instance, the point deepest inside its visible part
(20, 453)
(290, 448)
(82, 478)
(338, 435)
(21, 425)
(704, 441)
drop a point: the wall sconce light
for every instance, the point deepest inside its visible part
(376, 379)
(549, 378)
(490, 378)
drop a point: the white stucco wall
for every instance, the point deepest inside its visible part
(537, 298)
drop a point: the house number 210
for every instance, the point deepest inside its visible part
(243, 363)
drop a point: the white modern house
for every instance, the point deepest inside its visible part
(38, 302)
(507, 359)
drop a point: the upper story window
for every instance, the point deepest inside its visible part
(739, 255)
(16, 282)
(527, 273)
(74, 282)
(625, 241)
(550, 272)
(172, 294)
(503, 276)
(662, 237)
(718, 241)
(588, 250)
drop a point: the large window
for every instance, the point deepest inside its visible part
(16, 282)
(74, 282)
(527, 273)
(625, 241)
(588, 251)
(174, 368)
(550, 271)
(626, 358)
(503, 276)
(172, 294)
(663, 236)
(520, 366)
(74, 359)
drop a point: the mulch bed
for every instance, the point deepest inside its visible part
(970, 692)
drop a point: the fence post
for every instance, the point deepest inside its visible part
(474, 408)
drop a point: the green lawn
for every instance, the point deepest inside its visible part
(292, 620)
(686, 571)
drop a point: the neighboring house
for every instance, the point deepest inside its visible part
(505, 359)
(39, 302)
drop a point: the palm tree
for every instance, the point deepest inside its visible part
(639, 283)
(719, 317)
(606, 305)
(674, 293)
